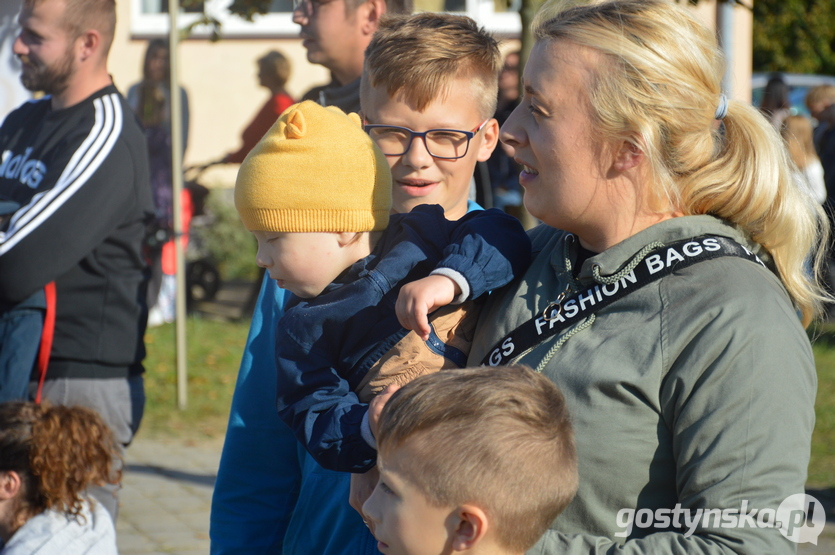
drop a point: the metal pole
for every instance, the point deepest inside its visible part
(177, 183)
(725, 28)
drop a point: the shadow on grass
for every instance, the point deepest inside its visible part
(207, 480)
(827, 498)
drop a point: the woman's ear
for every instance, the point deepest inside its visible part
(9, 484)
(471, 529)
(491, 139)
(627, 157)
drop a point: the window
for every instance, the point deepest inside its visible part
(149, 18)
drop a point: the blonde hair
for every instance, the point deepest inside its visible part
(821, 94)
(277, 64)
(797, 132)
(498, 437)
(658, 88)
(420, 55)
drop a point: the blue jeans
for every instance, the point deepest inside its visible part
(20, 338)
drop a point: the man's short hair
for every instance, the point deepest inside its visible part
(420, 55)
(820, 94)
(499, 438)
(82, 15)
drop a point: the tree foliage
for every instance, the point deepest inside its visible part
(789, 35)
(794, 35)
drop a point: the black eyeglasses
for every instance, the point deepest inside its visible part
(309, 7)
(446, 144)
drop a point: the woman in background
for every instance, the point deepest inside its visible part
(150, 99)
(273, 74)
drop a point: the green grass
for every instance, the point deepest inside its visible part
(822, 466)
(214, 355)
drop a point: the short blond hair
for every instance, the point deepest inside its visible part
(657, 88)
(820, 94)
(420, 55)
(277, 64)
(497, 437)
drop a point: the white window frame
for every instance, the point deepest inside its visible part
(233, 26)
(280, 25)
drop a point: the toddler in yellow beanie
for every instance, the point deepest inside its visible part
(316, 194)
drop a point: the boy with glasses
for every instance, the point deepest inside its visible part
(316, 194)
(268, 498)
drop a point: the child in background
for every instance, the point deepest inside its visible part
(316, 192)
(479, 460)
(48, 456)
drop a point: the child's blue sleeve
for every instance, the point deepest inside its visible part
(320, 407)
(489, 248)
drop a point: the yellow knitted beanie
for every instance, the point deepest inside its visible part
(314, 170)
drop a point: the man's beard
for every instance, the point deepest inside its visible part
(53, 80)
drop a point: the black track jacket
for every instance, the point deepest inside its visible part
(81, 177)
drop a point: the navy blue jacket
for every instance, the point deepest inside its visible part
(325, 345)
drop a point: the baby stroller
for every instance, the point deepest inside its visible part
(202, 276)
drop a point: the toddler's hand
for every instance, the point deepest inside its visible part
(418, 298)
(375, 407)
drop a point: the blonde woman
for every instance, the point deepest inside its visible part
(691, 392)
(797, 132)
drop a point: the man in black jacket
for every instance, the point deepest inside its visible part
(75, 162)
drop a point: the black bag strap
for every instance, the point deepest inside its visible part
(566, 311)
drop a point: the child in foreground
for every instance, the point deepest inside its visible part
(48, 456)
(477, 460)
(316, 193)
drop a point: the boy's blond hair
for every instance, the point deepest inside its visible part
(497, 437)
(420, 55)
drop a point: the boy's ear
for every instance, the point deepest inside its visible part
(491, 139)
(9, 484)
(471, 529)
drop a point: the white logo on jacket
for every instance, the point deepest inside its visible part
(29, 172)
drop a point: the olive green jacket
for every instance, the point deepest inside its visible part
(697, 389)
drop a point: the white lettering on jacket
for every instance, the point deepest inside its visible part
(28, 172)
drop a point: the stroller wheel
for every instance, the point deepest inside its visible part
(202, 280)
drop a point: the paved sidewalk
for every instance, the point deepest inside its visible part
(167, 494)
(166, 497)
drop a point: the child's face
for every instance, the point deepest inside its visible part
(302, 263)
(401, 517)
(417, 177)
